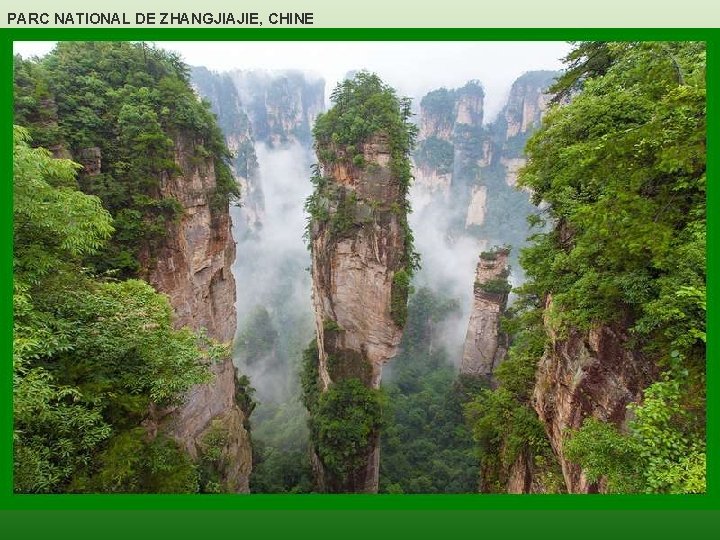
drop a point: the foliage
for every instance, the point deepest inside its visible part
(497, 285)
(504, 427)
(132, 103)
(585, 61)
(503, 422)
(399, 294)
(440, 105)
(437, 154)
(621, 169)
(88, 356)
(258, 338)
(363, 107)
(343, 420)
(244, 397)
(344, 423)
(309, 376)
(131, 463)
(276, 470)
(426, 447)
(660, 452)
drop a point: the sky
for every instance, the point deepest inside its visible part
(413, 68)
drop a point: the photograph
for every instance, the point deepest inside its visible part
(359, 267)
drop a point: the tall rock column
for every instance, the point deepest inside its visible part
(362, 261)
(193, 267)
(485, 343)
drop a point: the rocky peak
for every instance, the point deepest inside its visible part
(219, 89)
(282, 106)
(193, 267)
(450, 123)
(442, 110)
(353, 274)
(592, 374)
(527, 102)
(485, 343)
(362, 262)
(469, 104)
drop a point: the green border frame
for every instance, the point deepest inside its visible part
(324, 514)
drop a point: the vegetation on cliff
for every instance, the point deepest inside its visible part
(622, 170)
(367, 117)
(126, 106)
(89, 355)
(364, 107)
(97, 358)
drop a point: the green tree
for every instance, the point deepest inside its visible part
(129, 105)
(88, 356)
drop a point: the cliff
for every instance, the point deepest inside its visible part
(469, 169)
(156, 158)
(606, 375)
(448, 119)
(353, 275)
(360, 275)
(595, 374)
(526, 102)
(353, 279)
(219, 89)
(485, 343)
(193, 267)
(521, 115)
(282, 106)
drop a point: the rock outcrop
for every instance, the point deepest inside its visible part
(448, 117)
(527, 102)
(359, 279)
(193, 267)
(353, 275)
(282, 106)
(219, 89)
(469, 169)
(485, 343)
(593, 374)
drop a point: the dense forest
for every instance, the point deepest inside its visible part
(94, 346)
(125, 371)
(622, 171)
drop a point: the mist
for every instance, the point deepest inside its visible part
(412, 68)
(271, 269)
(448, 263)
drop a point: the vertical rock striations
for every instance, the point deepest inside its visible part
(193, 267)
(593, 374)
(362, 262)
(219, 90)
(448, 120)
(470, 169)
(485, 343)
(527, 102)
(282, 105)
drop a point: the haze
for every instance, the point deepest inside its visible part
(413, 68)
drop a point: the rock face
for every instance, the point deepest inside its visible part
(282, 106)
(468, 170)
(255, 107)
(193, 268)
(354, 283)
(587, 375)
(485, 343)
(527, 102)
(522, 114)
(476, 210)
(219, 89)
(447, 117)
